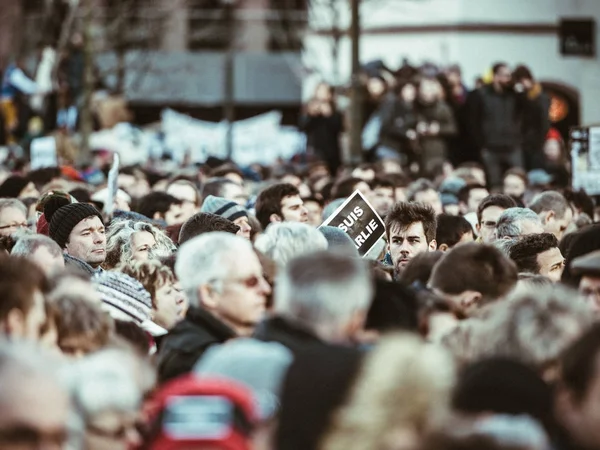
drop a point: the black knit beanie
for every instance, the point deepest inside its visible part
(67, 217)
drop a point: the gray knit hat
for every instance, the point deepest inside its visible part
(65, 218)
(223, 207)
(339, 241)
(123, 297)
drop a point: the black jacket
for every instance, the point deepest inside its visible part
(496, 118)
(292, 336)
(188, 340)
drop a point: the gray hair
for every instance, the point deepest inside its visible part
(29, 244)
(509, 223)
(205, 260)
(118, 241)
(550, 201)
(13, 203)
(322, 291)
(504, 245)
(283, 241)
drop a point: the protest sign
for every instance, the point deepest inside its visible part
(112, 187)
(43, 153)
(359, 220)
(584, 144)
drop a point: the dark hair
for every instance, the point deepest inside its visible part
(216, 187)
(503, 386)
(82, 195)
(345, 187)
(579, 362)
(201, 223)
(522, 72)
(499, 200)
(421, 185)
(399, 180)
(550, 201)
(517, 172)
(497, 66)
(225, 169)
(19, 280)
(465, 191)
(581, 200)
(450, 229)
(483, 268)
(269, 200)
(581, 243)
(404, 214)
(382, 181)
(525, 251)
(156, 202)
(394, 307)
(314, 200)
(133, 334)
(419, 268)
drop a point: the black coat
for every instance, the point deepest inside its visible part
(323, 137)
(292, 336)
(188, 340)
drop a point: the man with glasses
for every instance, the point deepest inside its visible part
(223, 280)
(13, 216)
(489, 211)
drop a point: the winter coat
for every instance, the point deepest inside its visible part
(433, 149)
(292, 336)
(323, 136)
(187, 342)
(496, 118)
(397, 117)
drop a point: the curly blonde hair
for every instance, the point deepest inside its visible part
(404, 383)
(152, 274)
(118, 241)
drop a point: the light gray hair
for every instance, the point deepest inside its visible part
(205, 259)
(509, 223)
(29, 244)
(322, 291)
(283, 241)
(504, 245)
(550, 201)
(13, 203)
(118, 241)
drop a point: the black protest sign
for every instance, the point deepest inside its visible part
(357, 218)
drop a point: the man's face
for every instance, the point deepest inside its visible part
(315, 213)
(406, 243)
(242, 301)
(244, 225)
(431, 198)
(514, 186)
(503, 77)
(476, 196)
(87, 241)
(293, 209)
(557, 226)
(235, 193)
(142, 242)
(33, 413)
(11, 219)
(589, 288)
(551, 264)
(188, 197)
(383, 199)
(48, 262)
(169, 302)
(175, 214)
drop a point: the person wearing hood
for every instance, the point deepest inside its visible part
(78, 229)
(435, 123)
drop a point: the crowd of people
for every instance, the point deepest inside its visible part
(426, 116)
(207, 307)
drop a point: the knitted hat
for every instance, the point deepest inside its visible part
(66, 218)
(223, 207)
(124, 297)
(339, 241)
(13, 186)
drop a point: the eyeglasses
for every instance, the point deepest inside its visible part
(13, 225)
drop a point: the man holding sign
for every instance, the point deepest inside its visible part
(410, 230)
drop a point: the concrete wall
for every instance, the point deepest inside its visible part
(475, 51)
